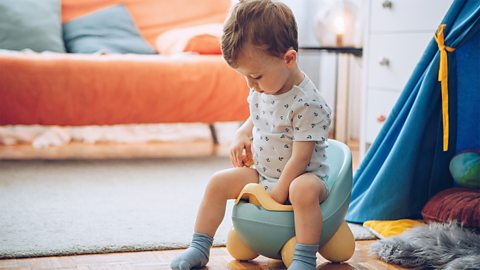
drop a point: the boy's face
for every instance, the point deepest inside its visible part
(265, 73)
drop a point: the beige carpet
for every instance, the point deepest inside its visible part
(78, 207)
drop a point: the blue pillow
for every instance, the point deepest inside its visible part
(31, 24)
(109, 30)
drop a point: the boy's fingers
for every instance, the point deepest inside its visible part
(239, 158)
(240, 154)
(236, 157)
(233, 158)
(248, 151)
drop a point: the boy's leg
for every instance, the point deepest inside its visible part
(306, 192)
(223, 185)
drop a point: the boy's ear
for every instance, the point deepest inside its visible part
(290, 57)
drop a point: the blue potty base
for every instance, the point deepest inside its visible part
(267, 231)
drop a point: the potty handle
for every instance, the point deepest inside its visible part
(257, 195)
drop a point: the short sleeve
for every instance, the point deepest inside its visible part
(311, 121)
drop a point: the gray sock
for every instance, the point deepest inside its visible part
(304, 258)
(196, 255)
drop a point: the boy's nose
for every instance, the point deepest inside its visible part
(251, 83)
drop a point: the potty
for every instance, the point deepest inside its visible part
(261, 226)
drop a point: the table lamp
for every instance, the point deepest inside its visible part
(337, 24)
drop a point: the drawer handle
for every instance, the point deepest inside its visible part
(381, 118)
(387, 4)
(384, 62)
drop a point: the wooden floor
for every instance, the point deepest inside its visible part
(160, 260)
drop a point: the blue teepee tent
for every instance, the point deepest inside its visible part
(431, 121)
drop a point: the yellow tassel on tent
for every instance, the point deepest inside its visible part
(443, 79)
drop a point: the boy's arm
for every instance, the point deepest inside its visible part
(296, 165)
(247, 127)
(240, 149)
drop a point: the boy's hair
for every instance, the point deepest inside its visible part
(264, 23)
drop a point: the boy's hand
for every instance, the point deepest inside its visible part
(296, 165)
(279, 195)
(240, 151)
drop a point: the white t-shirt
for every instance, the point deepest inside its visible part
(299, 114)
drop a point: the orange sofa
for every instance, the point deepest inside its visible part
(82, 89)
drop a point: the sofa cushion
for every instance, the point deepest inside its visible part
(108, 30)
(459, 205)
(202, 39)
(153, 17)
(31, 24)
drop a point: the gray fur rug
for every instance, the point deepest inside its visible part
(436, 246)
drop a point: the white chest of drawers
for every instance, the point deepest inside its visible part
(396, 34)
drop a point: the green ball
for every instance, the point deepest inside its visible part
(465, 169)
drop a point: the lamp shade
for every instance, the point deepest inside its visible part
(337, 24)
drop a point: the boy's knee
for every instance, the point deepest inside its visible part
(217, 184)
(303, 191)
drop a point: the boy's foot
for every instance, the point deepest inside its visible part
(196, 255)
(304, 258)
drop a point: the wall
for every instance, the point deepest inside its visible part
(320, 66)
